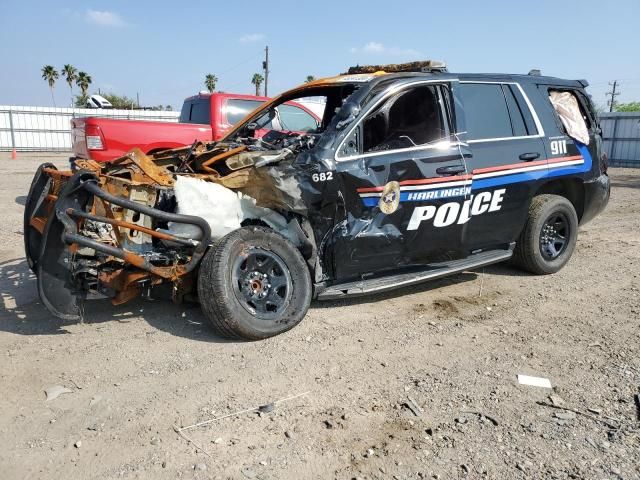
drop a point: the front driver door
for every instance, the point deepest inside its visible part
(403, 180)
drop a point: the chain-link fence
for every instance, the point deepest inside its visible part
(39, 129)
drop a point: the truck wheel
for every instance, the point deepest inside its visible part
(549, 236)
(254, 284)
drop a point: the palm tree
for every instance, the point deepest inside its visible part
(70, 74)
(257, 81)
(310, 78)
(50, 74)
(210, 82)
(83, 81)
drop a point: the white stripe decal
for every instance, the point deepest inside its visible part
(479, 176)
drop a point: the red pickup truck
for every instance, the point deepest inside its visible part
(203, 117)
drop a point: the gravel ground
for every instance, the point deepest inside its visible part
(450, 349)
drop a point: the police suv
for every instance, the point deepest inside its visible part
(413, 173)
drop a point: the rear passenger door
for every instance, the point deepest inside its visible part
(508, 157)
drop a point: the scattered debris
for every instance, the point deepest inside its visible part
(253, 409)
(181, 433)
(482, 415)
(267, 408)
(412, 405)
(636, 397)
(247, 472)
(565, 415)
(55, 391)
(534, 381)
(78, 444)
(556, 399)
(94, 400)
(584, 414)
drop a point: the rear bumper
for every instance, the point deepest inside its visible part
(596, 197)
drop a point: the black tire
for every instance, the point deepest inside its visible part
(231, 284)
(549, 236)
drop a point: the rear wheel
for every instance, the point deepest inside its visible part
(549, 236)
(254, 284)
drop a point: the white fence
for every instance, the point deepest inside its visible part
(48, 129)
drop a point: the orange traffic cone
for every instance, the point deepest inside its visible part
(14, 155)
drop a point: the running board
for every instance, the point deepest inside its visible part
(434, 271)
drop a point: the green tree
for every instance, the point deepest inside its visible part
(83, 81)
(257, 81)
(210, 82)
(120, 101)
(168, 108)
(310, 78)
(628, 107)
(70, 74)
(50, 75)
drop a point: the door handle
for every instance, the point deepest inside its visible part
(450, 170)
(527, 157)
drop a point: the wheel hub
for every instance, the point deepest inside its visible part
(261, 283)
(257, 284)
(554, 236)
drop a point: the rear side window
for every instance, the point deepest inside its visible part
(200, 112)
(485, 111)
(196, 111)
(518, 126)
(236, 109)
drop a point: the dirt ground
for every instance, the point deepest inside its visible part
(452, 347)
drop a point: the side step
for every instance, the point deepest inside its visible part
(432, 272)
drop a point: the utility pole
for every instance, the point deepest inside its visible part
(265, 67)
(614, 93)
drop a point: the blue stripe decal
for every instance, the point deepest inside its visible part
(585, 167)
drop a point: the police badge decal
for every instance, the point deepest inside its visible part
(390, 198)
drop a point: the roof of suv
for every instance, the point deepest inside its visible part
(408, 76)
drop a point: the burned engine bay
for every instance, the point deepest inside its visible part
(142, 220)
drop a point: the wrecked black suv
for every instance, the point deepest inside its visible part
(413, 173)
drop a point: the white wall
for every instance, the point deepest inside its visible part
(48, 129)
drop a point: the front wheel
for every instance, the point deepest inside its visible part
(549, 236)
(254, 284)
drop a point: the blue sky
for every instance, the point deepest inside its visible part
(163, 49)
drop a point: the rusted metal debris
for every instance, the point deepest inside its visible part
(422, 66)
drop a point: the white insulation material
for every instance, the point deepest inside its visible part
(222, 208)
(567, 108)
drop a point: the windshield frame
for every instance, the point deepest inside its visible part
(305, 90)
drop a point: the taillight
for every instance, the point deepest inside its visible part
(94, 137)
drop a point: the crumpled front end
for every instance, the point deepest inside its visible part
(115, 230)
